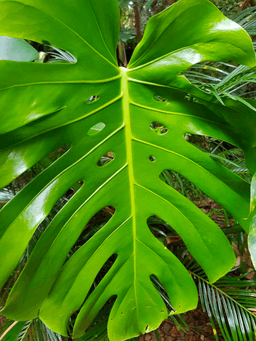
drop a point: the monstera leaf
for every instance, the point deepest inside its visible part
(100, 109)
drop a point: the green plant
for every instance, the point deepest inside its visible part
(230, 302)
(111, 119)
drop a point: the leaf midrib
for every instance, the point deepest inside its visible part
(128, 138)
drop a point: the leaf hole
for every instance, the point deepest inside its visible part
(56, 153)
(13, 188)
(97, 128)
(182, 185)
(162, 292)
(152, 158)
(96, 223)
(21, 50)
(105, 311)
(55, 55)
(163, 231)
(16, 50)
(105, 159)
(104, 270)
(6, 194)
(193, 193)
(158, 128)
(160, 98)
(92, 99)
(227, 154)
(52, 55)
(99, 325)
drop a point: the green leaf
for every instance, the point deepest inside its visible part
(252, 234)
(17, 50)
(228, 303)
(191, 43)
(45, 106)
(14, 331)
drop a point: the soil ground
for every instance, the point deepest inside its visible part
(199, 329)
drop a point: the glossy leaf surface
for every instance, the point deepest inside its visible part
(57, 104)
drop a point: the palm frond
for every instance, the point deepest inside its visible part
(14, 330)
(5, 195)
(246, 19)
(34, 330)
(58, 55)
(24, 331)
(230, 304)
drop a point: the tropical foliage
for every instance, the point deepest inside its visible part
(120, 131)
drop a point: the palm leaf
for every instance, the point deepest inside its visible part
(247, 19)
(34, 330)
(229, 303)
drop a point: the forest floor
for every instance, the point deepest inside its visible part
(199, 329)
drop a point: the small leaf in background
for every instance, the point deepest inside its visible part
(17, 50)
